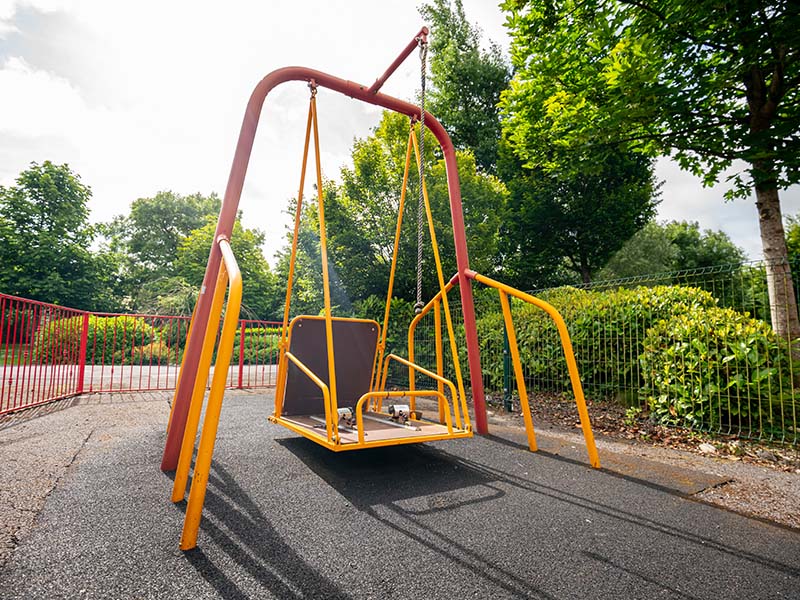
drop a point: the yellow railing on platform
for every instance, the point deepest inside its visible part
(505, 291)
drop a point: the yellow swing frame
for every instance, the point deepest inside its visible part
(453, 423)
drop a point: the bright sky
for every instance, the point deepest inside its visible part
(149, 96)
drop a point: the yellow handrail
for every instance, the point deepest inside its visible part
(505, 291)
(208, 436)
(398, 394)
(433, 376)
(326, 394)
(566, 344)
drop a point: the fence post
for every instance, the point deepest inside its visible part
(507, 402)
(241, 355)
(82, 352)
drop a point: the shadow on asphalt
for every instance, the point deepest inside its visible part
(401, 487)
(250, 541)
(413, 470)
(607, 510)
(379, 481)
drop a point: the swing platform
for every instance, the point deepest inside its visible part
(305, 405)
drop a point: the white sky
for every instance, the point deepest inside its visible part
(149, 96)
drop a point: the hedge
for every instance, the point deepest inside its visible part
(717, 368)
(607, 330)
(107, 337)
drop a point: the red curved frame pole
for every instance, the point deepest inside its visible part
(227, 216)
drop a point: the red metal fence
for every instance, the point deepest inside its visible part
(49, 352)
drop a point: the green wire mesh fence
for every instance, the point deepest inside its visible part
(694, 349)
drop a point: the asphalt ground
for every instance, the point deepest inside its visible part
(285, 518)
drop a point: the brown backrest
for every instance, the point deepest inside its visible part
(355, 342)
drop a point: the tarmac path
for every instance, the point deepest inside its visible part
(285, 518)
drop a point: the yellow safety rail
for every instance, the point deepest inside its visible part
(505, 291)
(229, 276)
(326, 393)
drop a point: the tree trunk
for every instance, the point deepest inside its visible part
(782, 303)
(586, 274)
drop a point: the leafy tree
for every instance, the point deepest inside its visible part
(367, 209)
(166, 296)
(793, 238)
(698, 249)
(576, 219)
(710, 83)
(650, 251)
(260, 294)
(307, 288)
(361, 218)
(148, 238)
(45, 238)
(674, 246)
(467, 81)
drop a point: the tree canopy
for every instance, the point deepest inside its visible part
(575, 220)
(709, 83)
(670, 247)
(260, 293)
(467, 81)
(45, 240)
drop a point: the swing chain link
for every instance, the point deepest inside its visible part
(312, 85)
(423, 53)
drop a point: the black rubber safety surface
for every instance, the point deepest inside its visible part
(478, 518)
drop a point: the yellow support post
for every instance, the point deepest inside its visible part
(569, 354)
(326, 285)
(199, 390)
(183, 359)
(437, 325)
(282, 365)
(208, 437)
(515, 360)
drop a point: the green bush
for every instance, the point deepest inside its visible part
(260, 346)
(607, 329)
(58, 341)
(714, 367)
(155, 353)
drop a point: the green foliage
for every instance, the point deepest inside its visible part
(598, 321)
(673, 246)
(260, 293)
(107, 337)
(467, 81)
(648, 252)
(173, 296)
(577, 218)
(793, 238)
(401, 313)
(632, 415)
(361, 217)
(154, 353)
(711, 84)
(150, 235)
(716, 368)
(260, 345)
(45, 238)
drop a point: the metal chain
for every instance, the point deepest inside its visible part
(423, 53)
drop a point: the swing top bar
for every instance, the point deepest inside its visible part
(230, 206)
(421, 37)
